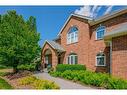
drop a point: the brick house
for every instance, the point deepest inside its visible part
(100, 44)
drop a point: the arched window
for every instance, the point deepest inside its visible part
(100, 32)
(100, 59)
(72, 35)
(72, 59)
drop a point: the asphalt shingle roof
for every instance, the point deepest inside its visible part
(55, 45)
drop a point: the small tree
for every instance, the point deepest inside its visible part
(18, 39)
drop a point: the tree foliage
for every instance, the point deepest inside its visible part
(18, 39)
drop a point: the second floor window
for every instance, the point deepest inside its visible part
(100, 32)
(72, 35)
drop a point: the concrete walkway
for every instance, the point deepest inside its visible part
(64, 84)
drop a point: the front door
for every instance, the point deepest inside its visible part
(46, 61)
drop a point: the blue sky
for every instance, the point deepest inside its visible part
(50, 19)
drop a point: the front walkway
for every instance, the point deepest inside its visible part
(64, 84)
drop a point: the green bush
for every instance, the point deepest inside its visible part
(4, 67)
(37, 83)
(92, 78)
(29, 67)
(27, 80)
(64, 67)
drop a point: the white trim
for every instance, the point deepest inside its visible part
(108, 16)
(73, 58)
(104, 61)
(76, 15)
(99, 31)
(75, 38)
(48, 43)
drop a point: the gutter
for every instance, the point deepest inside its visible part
(110, 42)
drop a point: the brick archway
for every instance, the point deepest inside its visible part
(48, 53)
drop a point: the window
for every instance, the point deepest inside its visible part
(100, 32)
(72, 35)
(72, 59)
(100, 59)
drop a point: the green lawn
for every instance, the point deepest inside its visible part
(4, 84)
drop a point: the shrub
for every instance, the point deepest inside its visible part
(44, 84)
(27, 80)
(114, 83)
(29, 67)
(91, 78)
(55, 74)
(64, 67)
(4, 67)
(37, 83)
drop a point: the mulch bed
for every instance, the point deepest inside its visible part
(13, 79)
(20, 74)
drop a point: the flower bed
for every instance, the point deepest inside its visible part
(37, 83)
(91, 78)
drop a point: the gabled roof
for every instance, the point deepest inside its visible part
(119, 31)
(73, 15)
(54, 45)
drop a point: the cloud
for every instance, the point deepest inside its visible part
(95, 11)
(89, 11)
(92, 11)
(85, 11)
(108, 9)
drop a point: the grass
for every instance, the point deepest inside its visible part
(4, 84)
(3, 73)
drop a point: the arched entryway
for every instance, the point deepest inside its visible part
(51, 54)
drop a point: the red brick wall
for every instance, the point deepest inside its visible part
(87, 46)
(119, 56)
(96, 45)
(80, 47)
(53, 55)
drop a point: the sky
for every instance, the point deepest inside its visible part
(50, 19)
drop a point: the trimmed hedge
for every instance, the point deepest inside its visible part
(91, 78)
(64, 67)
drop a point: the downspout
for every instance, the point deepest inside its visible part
(110, 42)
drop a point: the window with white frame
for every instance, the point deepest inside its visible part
(72, 59)
(72, 35)
(100, 32)
(100, 59)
